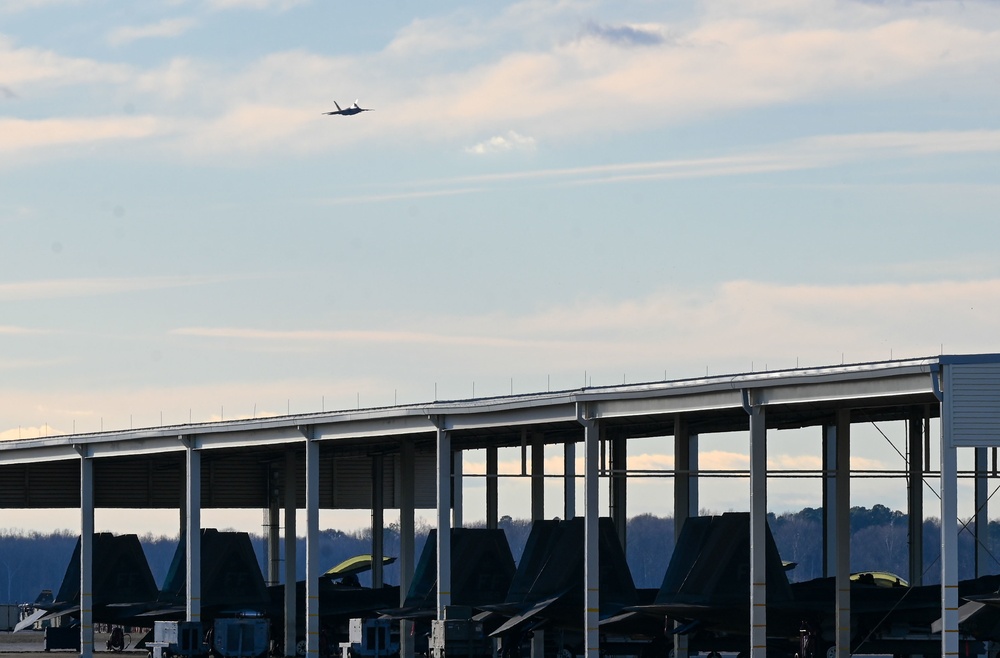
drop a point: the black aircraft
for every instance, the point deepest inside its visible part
(350, 110)
(706, 591)
(482, 567)
(125, 593)
(231, 581)
(547, 590)
(341, 598)
(123, 585)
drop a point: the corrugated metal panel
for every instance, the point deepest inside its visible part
(27, 486)
(972, 398)
(138, 482)
(352, 481)
(425, 467)
(237, 481)
(425, 481)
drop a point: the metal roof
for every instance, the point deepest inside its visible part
(144, 467)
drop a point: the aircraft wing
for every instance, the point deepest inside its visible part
(31, 619)
(978, 618)
(524, 616)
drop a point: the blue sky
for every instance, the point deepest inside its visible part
(544, 191)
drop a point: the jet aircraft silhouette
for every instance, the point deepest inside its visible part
(707, 585)
(123, 585)
(125, 593)
(547, 593)
(482, 567)
(355, 109)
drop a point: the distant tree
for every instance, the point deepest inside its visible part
(799, 537)
(650, 545)
(30, 562)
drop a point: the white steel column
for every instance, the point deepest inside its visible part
(291, 494)
(982, 497)
(457, 492)
(192, 532)
(915, 497)
(443, 520)
(86, 553)
(378, 520)
(685, 476)
(537, 513)
(842, 543)
(407, 489)
(829, 499)
(272, 516)
(537, 476)
(591, 573)
(685, 497)
(758, 530)
(949, 537)
(569, 480)
(619, 487)
(312, 546)
(492, 488)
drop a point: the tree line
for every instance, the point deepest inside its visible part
(31, 562)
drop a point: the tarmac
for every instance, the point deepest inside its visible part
(30, 644)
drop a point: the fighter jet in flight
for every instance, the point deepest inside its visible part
(350, 110)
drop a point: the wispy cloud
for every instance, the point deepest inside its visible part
(167, 28)
(31, 364)
(281, 5)
(353, 336)
(521, 66)
(19, 135)
(625, 35)
(512, 141)
(733, 327)
(10, 330)
(37, 66)
(90, 287)
(821, 151)
(12, 6)
(397, 196)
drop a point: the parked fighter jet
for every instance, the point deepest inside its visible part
(482, 567)
(231, 581)
(341, 598)
(547, 589)
(123, 585)
(706, 589)
(354, 109)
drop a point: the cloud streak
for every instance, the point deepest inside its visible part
(22, 135)
(357, 336)
(92, 287)
(625, 35)
(733, 327)
(519, 67)
(10, 330)
(512, 141)
(817, 152)
(167, 28)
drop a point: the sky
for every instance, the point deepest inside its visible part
(546, 194)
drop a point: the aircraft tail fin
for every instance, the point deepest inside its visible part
(122, 575)
(338, 106)
(482, 567)
(552, 565)
(711, 563)
(230, 573)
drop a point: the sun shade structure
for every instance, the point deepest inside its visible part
(407, 457)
